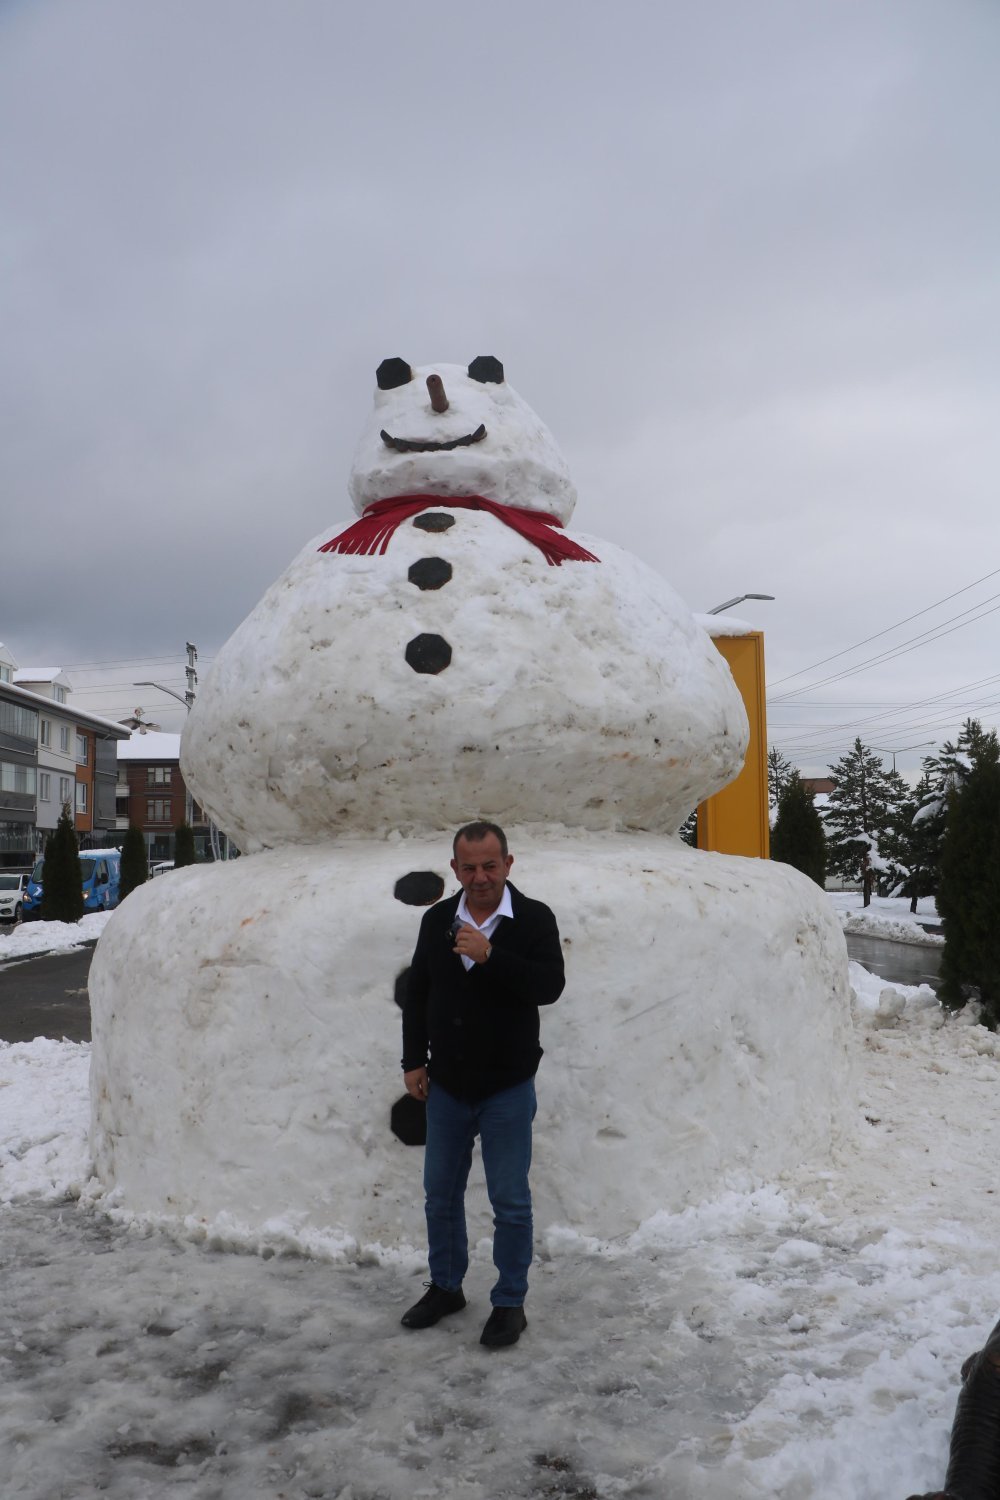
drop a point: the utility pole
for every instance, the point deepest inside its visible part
(192, 675)
(220, 847)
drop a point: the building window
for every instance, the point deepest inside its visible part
(45, 732)
(81, 796)
(65, 790)
(64, 739)
(15, 778)
(22, 722)
(81, 749)
(17, 837)
(44, 787)
(121, 807)
(4, 672)
(158, 811)
(158, 775)
(58, 693)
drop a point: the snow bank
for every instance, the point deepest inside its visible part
(897, 929)
(44, 1102)
(47, 937)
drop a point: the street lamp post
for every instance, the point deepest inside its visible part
(213, 832)
(721, 608)
(163, 689)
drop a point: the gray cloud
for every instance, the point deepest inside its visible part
(741, 259)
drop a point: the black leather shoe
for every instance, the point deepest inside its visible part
(434, 1305)
(503, 1326)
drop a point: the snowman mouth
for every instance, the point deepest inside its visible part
(416, 445)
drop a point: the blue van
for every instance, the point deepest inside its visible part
(100, 871)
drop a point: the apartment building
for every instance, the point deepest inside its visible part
(51, 754)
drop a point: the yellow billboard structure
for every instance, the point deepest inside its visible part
(735, 820)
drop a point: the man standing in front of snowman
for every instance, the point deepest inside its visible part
(485, 960)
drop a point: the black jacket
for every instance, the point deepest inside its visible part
(480, 1027)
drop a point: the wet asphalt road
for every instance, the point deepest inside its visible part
(896, 963)
(46, 996)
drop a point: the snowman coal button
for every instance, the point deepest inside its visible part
(418, 888)
(430, 573)
(434, 520)
(428, 653)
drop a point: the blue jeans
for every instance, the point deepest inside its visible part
(503, 1124)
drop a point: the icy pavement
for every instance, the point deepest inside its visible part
(801, 1341)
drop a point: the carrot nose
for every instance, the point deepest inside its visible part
(435, 389)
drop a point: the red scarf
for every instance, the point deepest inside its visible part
(373, 532)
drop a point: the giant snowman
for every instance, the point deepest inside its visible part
(456, 654)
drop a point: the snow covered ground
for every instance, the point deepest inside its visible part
(800, 1341)
(887, 917)
(49, 937)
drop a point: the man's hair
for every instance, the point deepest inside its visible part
(476, 832)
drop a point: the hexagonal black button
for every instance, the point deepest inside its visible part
(393, 372)
(434, 520)
(408, 1118)
(419, 888)
(430, 573)
(487, 369)
(428, 653)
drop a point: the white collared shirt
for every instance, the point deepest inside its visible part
(488, 927)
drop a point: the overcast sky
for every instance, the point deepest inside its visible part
(742, 257)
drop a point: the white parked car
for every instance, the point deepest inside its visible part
(12, 884)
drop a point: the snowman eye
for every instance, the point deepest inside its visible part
(487, 369)
(393, 372)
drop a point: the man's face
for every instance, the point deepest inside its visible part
(483, 871)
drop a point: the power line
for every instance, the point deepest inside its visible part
(887, 631)
(904, 649)
(889, 713)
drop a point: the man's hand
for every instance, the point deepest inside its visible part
(416, 1083)
(473, 944)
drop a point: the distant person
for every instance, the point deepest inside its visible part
(485, 961)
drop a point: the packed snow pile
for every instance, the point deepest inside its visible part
(28, 938)
(44, 1149)
(888, 917)
(456, 654)
(897, 929)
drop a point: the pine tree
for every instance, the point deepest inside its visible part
(797, 837)
(863, 820)
(922, 829)
(779, 773)
(62, 888)
(135, 866)
(942, 774)
(969, 891)
(688, 831)
(184, 850)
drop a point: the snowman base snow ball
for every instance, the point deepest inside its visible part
(456, 653)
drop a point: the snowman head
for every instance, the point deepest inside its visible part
(458, 430)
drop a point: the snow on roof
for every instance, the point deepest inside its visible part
(725, 625)
(62, 710)
(39, 674)
(153, 745)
